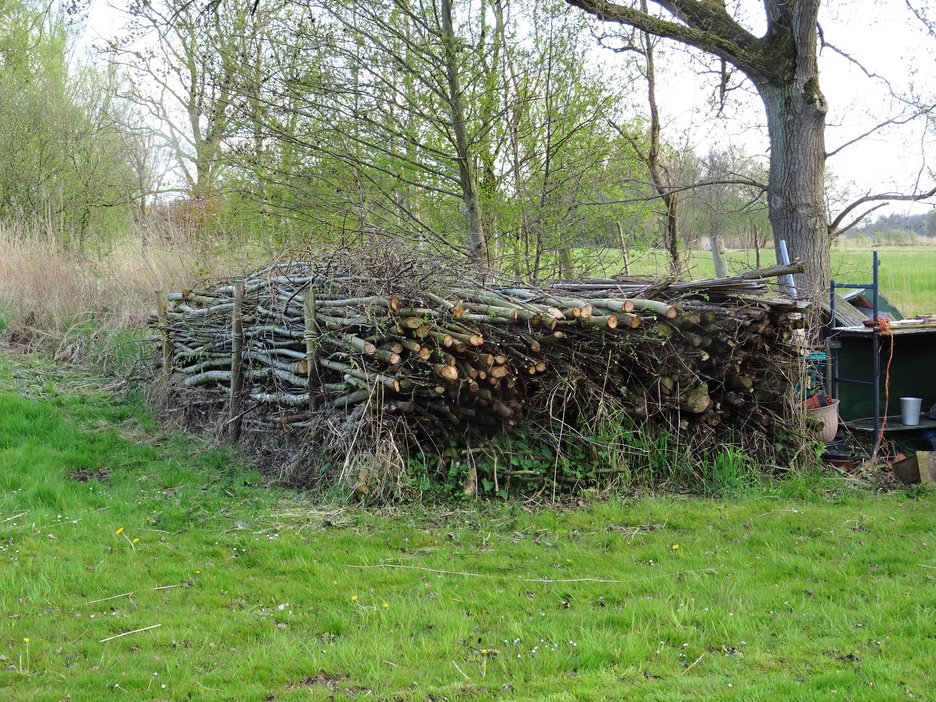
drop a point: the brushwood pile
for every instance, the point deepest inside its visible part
(351, 365)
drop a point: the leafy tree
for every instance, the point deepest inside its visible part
(61, 161)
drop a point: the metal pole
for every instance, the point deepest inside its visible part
(876, 353)
(830, 371)
(785, 260)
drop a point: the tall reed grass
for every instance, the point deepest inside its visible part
(81, 305)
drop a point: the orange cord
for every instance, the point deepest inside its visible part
(885, 330)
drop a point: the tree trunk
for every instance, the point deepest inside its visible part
(466, 175)
(653, 157)
(796, 110)
(796, 195)
(672, 232)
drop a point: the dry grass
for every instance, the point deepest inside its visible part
(74, 304)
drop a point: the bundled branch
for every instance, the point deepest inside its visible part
(326, 347)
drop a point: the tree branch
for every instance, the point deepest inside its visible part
(702, 24)
(879, 197)
(900, 120)
(859, 218)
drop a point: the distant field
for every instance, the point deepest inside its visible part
(908, 273)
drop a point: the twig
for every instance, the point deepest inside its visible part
(128, 541)
(127, 633)
(460, 670)
(923, 565)
(693, 664)
(130, 594)
(15, 516)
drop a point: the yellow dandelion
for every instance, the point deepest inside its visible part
(354, 598)
(484, 651)
(675, 547)
(119, 531)
(136, 540)
(386, 606)
(26, 640)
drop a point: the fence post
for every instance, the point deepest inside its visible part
(311, 332)
(237, 371)
(718, 254)
(623, 241)
(162, 319)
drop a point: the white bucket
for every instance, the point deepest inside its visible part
(910, 410)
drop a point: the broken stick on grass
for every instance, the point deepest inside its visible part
(127, 633)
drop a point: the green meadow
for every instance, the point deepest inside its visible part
(907, 273)
(139, 565)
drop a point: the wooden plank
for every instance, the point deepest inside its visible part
(926, 461)
(162, 315)
(718, 255)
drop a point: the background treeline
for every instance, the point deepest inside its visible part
(63, 131)
(479, 128)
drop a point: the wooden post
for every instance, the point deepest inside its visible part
(620, 231)
(718, 254)
(756, 231)
(237, 371)
(162, 317)
(311, 324)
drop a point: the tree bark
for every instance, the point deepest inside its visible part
(796, 195)
(796, 110)
(466, 175)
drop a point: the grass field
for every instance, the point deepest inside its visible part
(908, 273)
(211, 586)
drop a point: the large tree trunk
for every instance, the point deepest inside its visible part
(796, 195)
(796, 111)
(782, 64)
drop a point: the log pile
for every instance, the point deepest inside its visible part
(323, 347)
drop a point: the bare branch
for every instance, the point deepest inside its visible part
(879, 197)
(896, 121)
(860, 217)
(704, 25)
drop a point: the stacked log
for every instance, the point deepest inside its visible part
(325, 344)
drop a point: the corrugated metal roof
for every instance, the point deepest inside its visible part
(845, 314)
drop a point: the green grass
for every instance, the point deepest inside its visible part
(908, 273)
(806, 590)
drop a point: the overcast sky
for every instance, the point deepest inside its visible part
(888, 41)
(882, 34)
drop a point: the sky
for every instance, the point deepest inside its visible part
(888, 41)
(882, 34)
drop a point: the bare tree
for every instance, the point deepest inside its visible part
(783, 67)
(184, 64)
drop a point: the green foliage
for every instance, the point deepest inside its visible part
(61, 153)
(617, 456)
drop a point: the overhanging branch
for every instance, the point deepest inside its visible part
(879, 197)
(701, 24)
